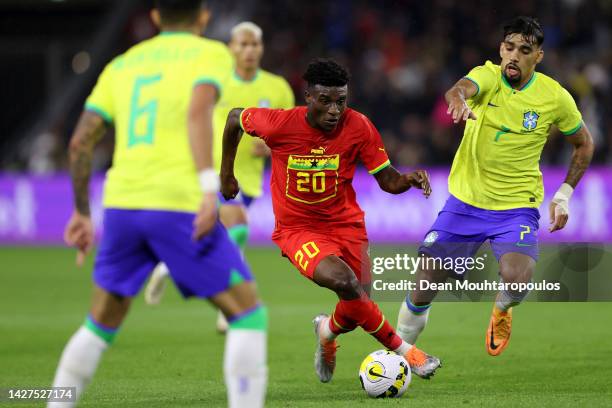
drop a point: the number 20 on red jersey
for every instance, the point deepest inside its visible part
(312, 179)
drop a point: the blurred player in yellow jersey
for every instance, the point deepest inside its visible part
(160, 200)
(495, 181)
(248, 86)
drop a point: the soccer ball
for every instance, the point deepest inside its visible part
(384, 374)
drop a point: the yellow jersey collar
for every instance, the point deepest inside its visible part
(168, 33)
(527, 85)
(240, 79)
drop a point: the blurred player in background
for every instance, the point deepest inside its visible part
(160, 199)
(495, 181)
(319, 225)
(248, 85)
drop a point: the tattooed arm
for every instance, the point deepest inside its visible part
(79, 231)
(88, 132)
(581, 158)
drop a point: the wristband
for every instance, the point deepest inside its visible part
(561, 198)
(209, 181)
(564, 193)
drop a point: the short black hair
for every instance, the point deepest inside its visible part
(179, 11)
(528, 27)
(326, 72)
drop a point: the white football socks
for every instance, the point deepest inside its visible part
(78, 363)
(410, 324)
(507, 299)
(245, 367)
(403, 348)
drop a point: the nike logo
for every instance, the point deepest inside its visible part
(520, 244)
(381, 149)
(375, 374)
(492, 342)
(495, 106)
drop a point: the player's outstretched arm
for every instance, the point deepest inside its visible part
(463, 90)
(581, 158)
(391, 181)
(199, 124)
(79, 230)
(231, 138)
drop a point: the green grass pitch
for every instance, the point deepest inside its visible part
(171, 356)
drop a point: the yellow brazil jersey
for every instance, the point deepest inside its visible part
(497, 164)
(265, 90)
(146, 93)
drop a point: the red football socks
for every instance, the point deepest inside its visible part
(365, 313)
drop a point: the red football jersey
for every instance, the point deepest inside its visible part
(312, 171)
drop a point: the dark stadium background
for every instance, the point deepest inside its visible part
(402, 54)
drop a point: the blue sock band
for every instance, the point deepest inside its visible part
(416, 309)
(104, 332)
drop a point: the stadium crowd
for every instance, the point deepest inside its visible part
(402, 55)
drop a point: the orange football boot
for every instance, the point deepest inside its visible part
(498, 332)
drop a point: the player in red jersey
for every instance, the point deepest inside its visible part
(319, 225)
